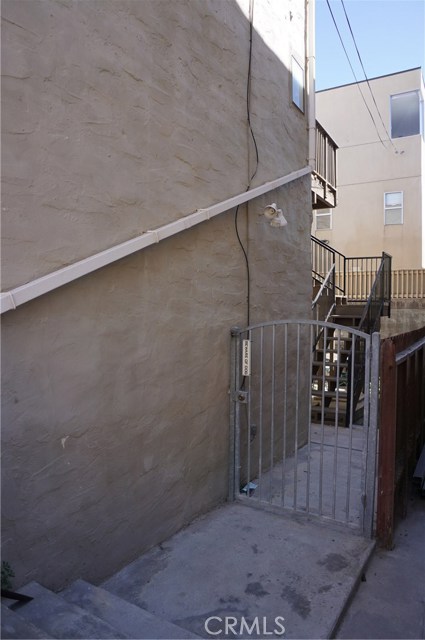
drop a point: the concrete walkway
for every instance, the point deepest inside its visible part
(391, 602)
(243, 572)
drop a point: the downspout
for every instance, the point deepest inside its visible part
(311, 81)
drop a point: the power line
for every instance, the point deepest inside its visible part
(365, 74)
(354, 74)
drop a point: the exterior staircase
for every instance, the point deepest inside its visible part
(82, 611)
(353, 293)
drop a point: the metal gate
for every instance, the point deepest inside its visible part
(304, 404)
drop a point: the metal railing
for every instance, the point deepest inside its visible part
(325, 156)
(323, 258)
(402, 425)
(379, 297)
(355, 277)
(280, 458)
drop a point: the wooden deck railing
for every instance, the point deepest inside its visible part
(405, 283)
(324, 176)
(401, 426)
(408, 283)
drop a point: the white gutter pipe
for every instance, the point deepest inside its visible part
(311, 81)
(26, 292)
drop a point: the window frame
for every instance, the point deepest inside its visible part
(322, 214)
(392, 208)
(420, 113)
(295, 60)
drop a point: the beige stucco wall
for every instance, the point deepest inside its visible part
(91, 153)
(120, 116)
(367, 168)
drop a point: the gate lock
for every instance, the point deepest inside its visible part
(241, 396)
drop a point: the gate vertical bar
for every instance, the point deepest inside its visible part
(387, 445)
(373, 397)
(350, 396)
(234, 450)
(272, 409)
(366, 425)
(285, 396)
(309, 432)
(260, 426)
(297, 385)
(336, 423)
(248, 425)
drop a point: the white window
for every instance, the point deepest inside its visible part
(393, 207)
(298, 84)
(406, 114)
(323, 220)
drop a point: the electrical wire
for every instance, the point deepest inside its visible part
(248, 111)
(248, 93)
(354, 74)
(365, 75)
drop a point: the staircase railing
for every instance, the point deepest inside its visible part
(323, 258)
(378, 303)
(360, 279)
(379, 300)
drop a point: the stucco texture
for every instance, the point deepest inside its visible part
(121, 116)
(115, 420)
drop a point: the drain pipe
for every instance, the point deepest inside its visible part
(311, 81)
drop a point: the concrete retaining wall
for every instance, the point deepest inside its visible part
(406, 315)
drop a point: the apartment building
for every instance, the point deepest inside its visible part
(379, 129)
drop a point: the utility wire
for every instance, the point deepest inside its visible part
(248, 94)
(351, 66)
(365, 75)
(248, 112)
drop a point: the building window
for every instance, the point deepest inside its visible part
(298, 84)
(323, 220)
(406, 114)
(393, 207)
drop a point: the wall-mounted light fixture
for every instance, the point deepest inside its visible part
(275, 215)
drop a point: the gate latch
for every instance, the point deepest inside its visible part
(241, 396)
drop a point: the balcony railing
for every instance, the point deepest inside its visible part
(324, 177)
(408, 284)
(362, 280)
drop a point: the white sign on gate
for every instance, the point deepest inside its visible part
(246, 357)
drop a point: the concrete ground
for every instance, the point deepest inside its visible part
(391, 602)
(244, 572)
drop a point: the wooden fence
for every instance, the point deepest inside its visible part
(402, 426)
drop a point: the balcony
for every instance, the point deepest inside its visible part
(323, 184)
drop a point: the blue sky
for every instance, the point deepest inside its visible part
(390, 36)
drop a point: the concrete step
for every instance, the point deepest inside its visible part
(61, 619)
(130, 619)
(350, 310)
(13, 627)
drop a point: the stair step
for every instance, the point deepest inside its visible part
(13, 627)
(61, 619)
(330, 350)
(319, 363)
(342, 394)
(130, 619)
(319, 377)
